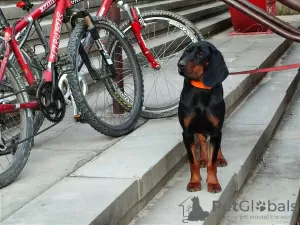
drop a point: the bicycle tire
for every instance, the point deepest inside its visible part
(23, 152)
(185, 24)
(88, 115)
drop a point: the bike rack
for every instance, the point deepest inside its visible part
(275, 24)
(115, 16)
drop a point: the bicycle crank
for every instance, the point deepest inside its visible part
(55, 109)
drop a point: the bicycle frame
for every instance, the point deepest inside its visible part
(136, 25)
(12, 46)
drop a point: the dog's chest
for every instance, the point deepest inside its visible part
(195, 99)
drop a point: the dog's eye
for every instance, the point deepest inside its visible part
(199, 54)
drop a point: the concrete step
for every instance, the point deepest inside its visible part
(274, 184)
(246, 134)
(113, 179)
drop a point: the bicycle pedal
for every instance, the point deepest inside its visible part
(78, 118)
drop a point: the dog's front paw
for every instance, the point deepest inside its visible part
(194, 186)
(221, 162)
(214, 187)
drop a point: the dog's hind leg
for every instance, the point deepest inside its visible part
(213, 184)
(203, 150)
(195, 181)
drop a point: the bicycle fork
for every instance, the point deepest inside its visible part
(137, 24)
(92, 36)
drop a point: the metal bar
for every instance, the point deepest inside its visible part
(115, 15)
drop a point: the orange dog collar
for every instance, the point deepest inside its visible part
(199, 84)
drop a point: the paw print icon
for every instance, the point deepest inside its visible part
(261, 206)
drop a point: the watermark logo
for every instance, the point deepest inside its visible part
(258, 206)
(192, 211)
(257, 209)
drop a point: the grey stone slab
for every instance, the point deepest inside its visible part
(147, 158)
(55, 131)
(266, 41)
(251, 116)
(43, 169)
(260, 144)
(80, 137)
(159, 128)
(282, 149)
(239, 141)
(291, 132)
(282, 160)
(295, 111)
(246, 60)
(233, 47)
(132, 150)
(269, 94)
(233, 82)
(79, 201)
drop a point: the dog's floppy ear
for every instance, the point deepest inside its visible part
(216, 71)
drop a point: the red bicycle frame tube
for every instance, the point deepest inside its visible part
(104, 8)
(8, 108)
(136, 28)
(12, 45)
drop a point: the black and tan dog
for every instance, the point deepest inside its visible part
(201, 110)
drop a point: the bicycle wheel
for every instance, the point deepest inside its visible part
(118, 101)
(14, 127)
(166, 34)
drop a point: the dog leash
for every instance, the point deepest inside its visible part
(269, 69)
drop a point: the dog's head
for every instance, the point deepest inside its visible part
(203, 62)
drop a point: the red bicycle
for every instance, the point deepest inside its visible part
(158, 38)
(16, 109)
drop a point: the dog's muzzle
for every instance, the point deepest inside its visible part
(181, 67)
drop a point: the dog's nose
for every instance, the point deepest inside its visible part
(181, 65)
